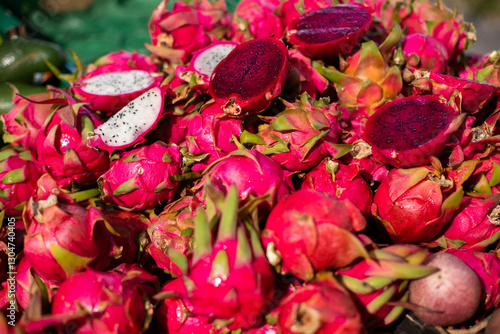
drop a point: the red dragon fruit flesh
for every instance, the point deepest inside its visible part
(251, 75)
(330, 31)
(406, 132)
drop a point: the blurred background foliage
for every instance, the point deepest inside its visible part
(95, 27)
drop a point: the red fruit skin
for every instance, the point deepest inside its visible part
(425, 52)
(313, 231)
(334, 20)
(345, 183)
(256, 19)
(288, 11)
(328, 310)
(148, 170)
(233, 87)
(442, 295)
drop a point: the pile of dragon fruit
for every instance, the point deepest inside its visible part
(300, 166)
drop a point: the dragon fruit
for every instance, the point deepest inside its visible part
(310, 80)
(482, 68)
(326, 32)
(250, 77)
(142, 178)
(320, 307)
(472, 95)
(301, 136)
(407, 131)
(203, 63)
(114, 80)
(290, 10)
(18, 178)
(118, 301)
(229, 281)
(62, 146)
(475, 225)
(378, 283)
(256, 19)
(172, 228)
(188, 27)
(487, 268)
(413, 204)
(63, 239)
(425, 52)
(129, 125)
(330, 226)
(210, 135)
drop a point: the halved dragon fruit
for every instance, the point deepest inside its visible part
(406, 132)
(204, 62)
(329, 31)
(250, 77)
(128, 126)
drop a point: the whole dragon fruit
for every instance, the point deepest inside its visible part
(18, 179)
(320, 307)
(425, 52)
(230, 280)
(256, 19)
(341, 181)
(142, 178)
(303, 237)
(250, 77)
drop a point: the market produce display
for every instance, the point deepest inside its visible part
(300, 166)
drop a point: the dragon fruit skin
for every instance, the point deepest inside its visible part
(62, 147)
(308, 236)
(211, 133)
(475, 225)
(256, 19)
(341, 181)
(310, 80)
(326, 32)
(254, 175)
(229, 280)
(399, 137)
(142, 178)
(412, 206)
(18, 178)
(62, 239)
(425, 52)
(288, 11)
(173, 314)
(233, 82)
(177, 33)
(487, 268)
(322, 307)
(118, 301)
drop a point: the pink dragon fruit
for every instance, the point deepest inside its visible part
(487, 268)
(231, 280)
(482, 68)
(269, 180)
(310, 80)
(413, 204)
(265, 329)
(407, 131)
(472, 95)
(23, 122)
(63, 239)
(118, 301)
(172, 228)
(128, 126)
(301, 136)
(174, 315)
(329, 31)
(250, 77)
(18, 178)
(142, 178)
(62, 146)
(290, 10)
(210, 135)
(188, 27)
(486, 178)
(305, 236)
(378, 283)
(256, 19)
(475, 225)
(203, 63)
(114, 80)
(340, 181)
(320, 307)
(425, 52)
